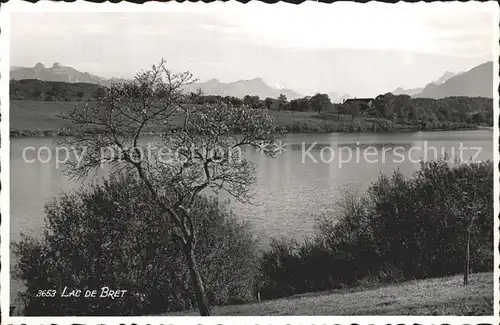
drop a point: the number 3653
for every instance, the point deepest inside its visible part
(46, 293)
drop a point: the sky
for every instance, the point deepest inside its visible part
(359, 49)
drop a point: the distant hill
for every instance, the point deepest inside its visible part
(409, 92)
(415, 91)
(241, 88)
(477, 82)
(59, 73)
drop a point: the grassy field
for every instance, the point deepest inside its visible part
(38, 118)
(439, 296)
(36, 115)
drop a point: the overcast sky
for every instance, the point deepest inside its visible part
(360, 49)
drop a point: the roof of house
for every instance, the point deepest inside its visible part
(358, 100)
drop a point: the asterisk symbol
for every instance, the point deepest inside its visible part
(261, 147)
(280, 147)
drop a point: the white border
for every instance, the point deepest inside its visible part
(5, 10)
(496, 186)
(5, 159)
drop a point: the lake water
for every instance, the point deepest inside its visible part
(291, 189)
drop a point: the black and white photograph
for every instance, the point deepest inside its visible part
(227, 159)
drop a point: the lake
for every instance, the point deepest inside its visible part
(303, 181)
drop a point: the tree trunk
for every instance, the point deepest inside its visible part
(199, 289)
(467, 260)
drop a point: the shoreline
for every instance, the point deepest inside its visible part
(53, 133)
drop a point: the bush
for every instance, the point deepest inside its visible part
(110, 235)
(420, 222)
(403, 228)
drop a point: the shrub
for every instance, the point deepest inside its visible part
(279, 267)
(420, 222)
(109, 235)
(403, 228)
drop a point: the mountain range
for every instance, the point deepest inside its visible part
(241, 88)
(477, 82)
(238, 88)
(58, 72)
(415, 91)
(255, 86)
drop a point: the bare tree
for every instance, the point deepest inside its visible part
(200, 147)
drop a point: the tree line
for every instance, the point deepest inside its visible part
(404, 109)
(317, 103)
(39, 90)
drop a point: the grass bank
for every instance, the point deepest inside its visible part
(438, 296)
(40, 118)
